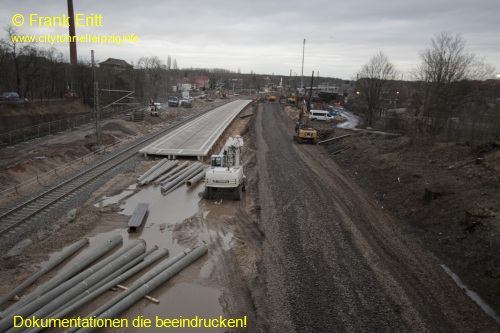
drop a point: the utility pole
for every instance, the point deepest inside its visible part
(302, 76)
(97, 112)
(310, 94)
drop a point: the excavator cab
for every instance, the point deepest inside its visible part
(217, 161)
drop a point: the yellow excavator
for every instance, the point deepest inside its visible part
(271, 97)
(304, 133)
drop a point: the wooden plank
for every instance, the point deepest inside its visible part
(149, 298)
(136, 219)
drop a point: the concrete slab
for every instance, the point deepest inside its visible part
(197, 137)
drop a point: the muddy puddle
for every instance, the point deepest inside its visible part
(176, 221)
(472, 294)
(106, 201)
(180, 300)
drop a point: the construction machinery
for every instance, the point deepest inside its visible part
(226, 172)
(271, 97)
(304, 133)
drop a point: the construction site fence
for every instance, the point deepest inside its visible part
(44, 129)
(47, 179)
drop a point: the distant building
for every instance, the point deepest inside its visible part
(196, 82)
(201, 81)
(183, 84)
(115, 64)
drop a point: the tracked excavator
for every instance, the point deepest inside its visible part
(304, 133)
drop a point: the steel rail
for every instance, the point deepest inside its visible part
(47, 199)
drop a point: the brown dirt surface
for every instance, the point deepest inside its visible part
(462, 226)
(334, 251)
(320, 242)
(232, 267)
(34, 164)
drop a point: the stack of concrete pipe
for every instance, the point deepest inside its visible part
(156, 166)
(160, 168)
(77, 285)
(172, 173)
(196, 178)
(150, 281)
(28, 282)
(181, 178)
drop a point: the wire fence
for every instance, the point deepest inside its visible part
(47, 179)
(49, 128)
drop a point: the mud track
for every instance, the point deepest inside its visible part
(333, 260)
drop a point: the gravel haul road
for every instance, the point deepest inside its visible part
(333, 260)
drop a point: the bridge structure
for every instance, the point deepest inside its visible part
(196, 138)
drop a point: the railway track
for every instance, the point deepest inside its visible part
(12, 220)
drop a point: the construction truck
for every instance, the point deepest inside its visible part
(304, 133)
(226, 172)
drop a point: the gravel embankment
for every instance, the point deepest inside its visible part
(333, 260)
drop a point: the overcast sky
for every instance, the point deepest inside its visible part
(266, 37)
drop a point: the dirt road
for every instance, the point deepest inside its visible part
(333, 260)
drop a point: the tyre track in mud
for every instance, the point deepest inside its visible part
(327, 265)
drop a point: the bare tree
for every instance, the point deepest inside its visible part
(169, 62)
(16, 50)
(445, 74)
(154, 69)
(373, 87)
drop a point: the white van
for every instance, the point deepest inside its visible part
(320, 115)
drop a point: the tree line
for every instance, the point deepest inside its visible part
(44, 74)
(446, 97)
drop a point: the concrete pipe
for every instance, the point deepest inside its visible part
(152, 284)
(158, 172)
(164, 169)
(46, 304)
(171, 174)
(185, 178)
(156, 166)
(118, 272)
(136, 285)
(70, 306)
(46, 298)
(67, 309)
(28, 282)
(166, 187)
(69, 273)
(196, 178)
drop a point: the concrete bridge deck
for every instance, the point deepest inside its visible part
(197, 137)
